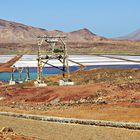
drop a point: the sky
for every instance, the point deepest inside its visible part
(108, 18)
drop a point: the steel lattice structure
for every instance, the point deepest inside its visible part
(62, 56)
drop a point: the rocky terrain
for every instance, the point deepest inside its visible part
(97, 94)
(9, 134)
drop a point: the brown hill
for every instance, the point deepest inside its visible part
(83, 35)
(12, 32)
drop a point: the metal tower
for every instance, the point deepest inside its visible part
(54, 53)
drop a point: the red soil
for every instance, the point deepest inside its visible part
(93, 101)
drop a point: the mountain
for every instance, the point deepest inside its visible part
(12, 32)
(83, 35)
(134, 36)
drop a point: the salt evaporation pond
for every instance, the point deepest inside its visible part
(6, 58)
(90, 61)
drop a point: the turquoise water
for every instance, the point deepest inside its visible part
(5, 76)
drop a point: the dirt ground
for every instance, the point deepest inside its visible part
(57, 131)
(103, 94)
(92, 108)
(125, 113)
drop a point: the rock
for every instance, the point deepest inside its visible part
(2, 98)
(100, 100)
(55, 101)
(83, 100)
(7, 133)
(71, 102)
(6, 130)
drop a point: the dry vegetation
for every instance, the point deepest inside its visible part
(88, 47)
(105, 47)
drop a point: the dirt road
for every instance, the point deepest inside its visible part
(56, 131)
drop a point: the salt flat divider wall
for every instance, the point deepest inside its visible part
(128, 125)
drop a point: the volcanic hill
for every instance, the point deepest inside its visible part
(12, 32)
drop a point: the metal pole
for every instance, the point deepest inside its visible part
(39, 82)
(39, 68)
(66, 64)
(12, 75)
(28, 74)
(20, 73)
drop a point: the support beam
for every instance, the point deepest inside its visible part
(12, 80)
(27, 74)
(39, 82)
(20, 69)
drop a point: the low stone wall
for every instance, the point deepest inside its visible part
(128, 125)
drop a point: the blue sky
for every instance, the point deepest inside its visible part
(109, 18)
